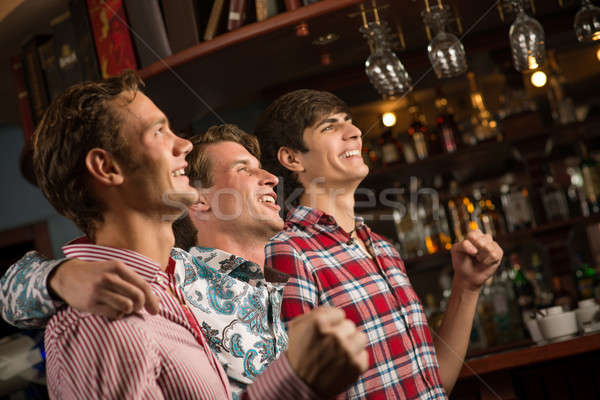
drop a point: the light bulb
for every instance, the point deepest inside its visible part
(388, 119)
(598, 54)
(539, 79)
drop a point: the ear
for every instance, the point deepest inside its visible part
(290, 159)
(102, 167)
(202, 205)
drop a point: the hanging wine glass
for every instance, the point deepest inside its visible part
(446, 52)
(385, 71)
(527, 42)
(587, 22)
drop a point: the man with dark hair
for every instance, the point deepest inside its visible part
(145, 355)
(333, 258)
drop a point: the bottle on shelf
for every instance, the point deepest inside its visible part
(576, 198)
(507, 321)
(516, 205)
(408, 226)
(391, 149)
(433, 312)
(491, 220)
(535, 274)
(586, 279)
(462, 213)
(485, 313)
(561, 296)
(553, 199)
(484, 126)
(417, 129)
(523, 288)
(563, 109)
(590, 172)
(446, 125)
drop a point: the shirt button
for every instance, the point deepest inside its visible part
(159, 279)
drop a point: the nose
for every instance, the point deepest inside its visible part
(268, 178)
(352, 132)
(182, 147)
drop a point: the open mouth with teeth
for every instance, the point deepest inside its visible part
(350, 153)
(178, 172)
(267, 198)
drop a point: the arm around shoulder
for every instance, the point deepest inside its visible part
(26, 300)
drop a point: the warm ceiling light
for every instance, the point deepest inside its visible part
(539, 79)
(598, 54)
(388, 119)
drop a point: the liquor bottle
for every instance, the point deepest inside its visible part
(433, 312)
(554, 199)
(485, 311)
(462, 213)
(563, 110)
(523, 288)
(507, 322)
(447, 127)
(391, 149)
(591, 178)
(516, 205)
(576, 198)
(586, 279)
(417, 129)
(491, 221)
(534, 272)
(409, 227)
(561, 296)
(484, 126)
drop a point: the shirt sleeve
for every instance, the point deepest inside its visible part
(26, 301)
(93, 358)
(300, 294)
(279, 381)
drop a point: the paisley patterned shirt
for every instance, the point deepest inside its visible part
(239, 311)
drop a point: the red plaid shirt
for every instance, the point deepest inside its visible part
(326, 267)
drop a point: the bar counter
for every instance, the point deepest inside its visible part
(566, 369)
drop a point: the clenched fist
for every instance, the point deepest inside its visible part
(326, 350)
(475, 259)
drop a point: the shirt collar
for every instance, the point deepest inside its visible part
(147, 268)
(235, 266)
(307, 216)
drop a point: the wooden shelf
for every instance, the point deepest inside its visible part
(530, 355)
(247, 32)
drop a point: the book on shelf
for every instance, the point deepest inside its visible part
(237, 14)
(266, 9)
(86, 50)
(67, 54)
(50, 69)
(34, 77)
(148, 31)
(215, 19)
(291, 5)
(114, 47)
(25, 114)
(181, 21)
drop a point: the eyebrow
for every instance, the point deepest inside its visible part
(243, 161)
(332, 120)
(161, 121)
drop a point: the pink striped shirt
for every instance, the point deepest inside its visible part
(143, 355)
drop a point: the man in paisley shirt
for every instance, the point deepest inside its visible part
(111, 289)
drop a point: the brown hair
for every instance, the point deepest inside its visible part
(199, 170)
(283, 124)
(79, 120)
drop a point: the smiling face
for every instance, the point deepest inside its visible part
(241, 197)
(155, 174)
(334, 152)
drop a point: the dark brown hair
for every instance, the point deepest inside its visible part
(199, 170)
(82, 118)
(283, 124)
